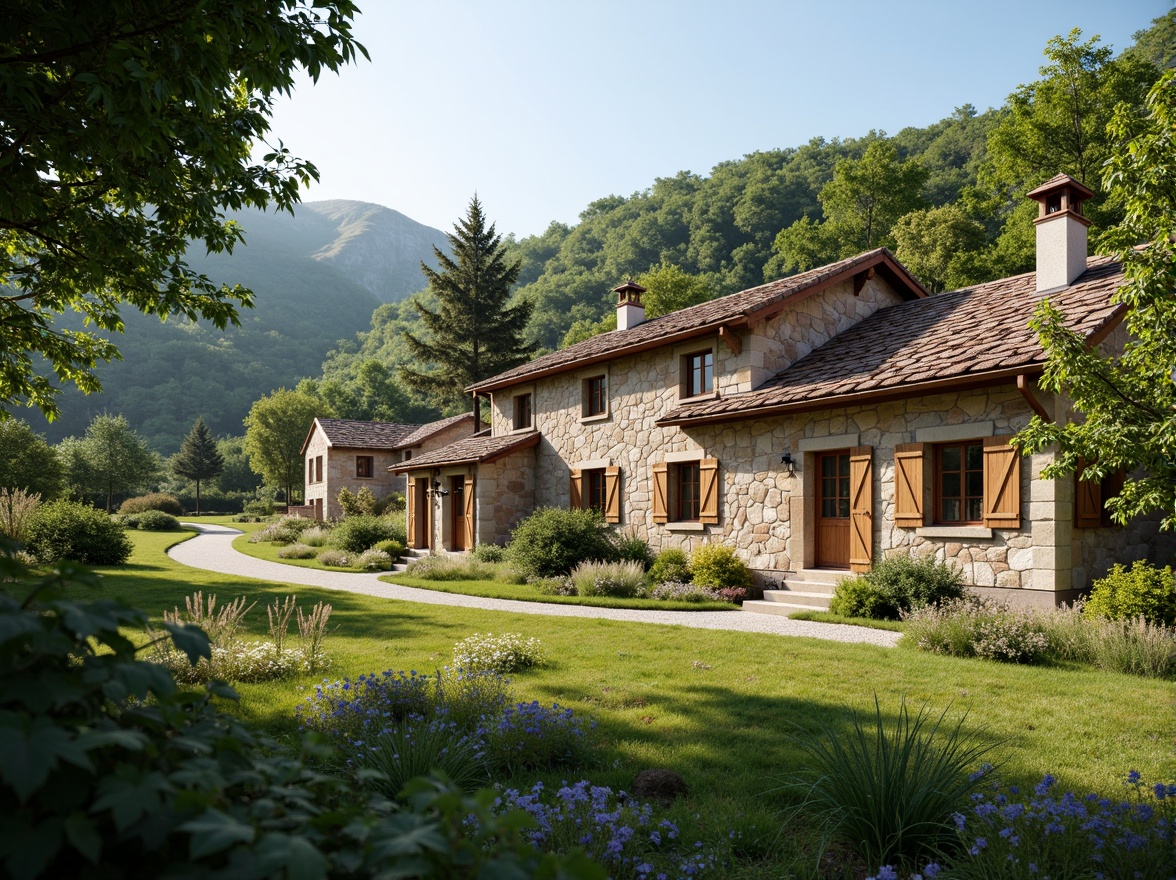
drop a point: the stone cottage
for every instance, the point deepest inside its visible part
(348, 454)
(815, 424)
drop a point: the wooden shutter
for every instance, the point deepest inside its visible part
(708, 491)
(861, 507)
(412, 504)
(612, 494)
(661, 483)
(576, 490)
(1088, 500)
(467, 518)
(1002, 483)
(1112, 486)
(908, 485)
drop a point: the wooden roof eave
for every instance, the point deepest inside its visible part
(417, 465)
(880, 395)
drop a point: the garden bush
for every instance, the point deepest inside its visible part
(857, 597)
(69, 530)
(504, 653)
(361, 503)
(617, 580)
(127, 521)
(218, 793)
(153, 501)
(298, 551)
(670, 565)
(395, 549)
(630, 546)
(891, 790)
(716, 566)
(157, 521)
(489, 553)
(358, 533)
(335, 558)
(551, 542)
(1143, 591)
(259, 507)
(554, 586)
(374, 560)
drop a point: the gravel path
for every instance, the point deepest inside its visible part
(212, 550)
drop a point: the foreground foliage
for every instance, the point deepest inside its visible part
(111, 765)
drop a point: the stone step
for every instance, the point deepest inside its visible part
(810, 599)
(784, 609)
(831, 576)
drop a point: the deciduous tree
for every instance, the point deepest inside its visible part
(475, 332)
(126, 129)
(110, 459)
(941, 246)
(275, 429)
(1127, 401)
(198, 458)
(669, 289)
(27, 461)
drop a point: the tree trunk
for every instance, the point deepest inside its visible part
(197, 498)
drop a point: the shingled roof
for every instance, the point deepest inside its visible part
(974, 335)
(735, 311)
(424, 432)
(471, 450)
(351, 434)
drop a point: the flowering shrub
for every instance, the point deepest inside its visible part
(298, 551)
(734, 595)
(618, 580)
(374, 560)
(612, 829)
(1009, 833)
(1144, 591)
(1012, 636)
(680, 592)
(554, 586)
(476, 704)
(529, 736)
(508, 652)
(335, 558)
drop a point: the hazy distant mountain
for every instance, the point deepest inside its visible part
(316, 278)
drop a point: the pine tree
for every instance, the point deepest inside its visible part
(198, 458)
(474, 334)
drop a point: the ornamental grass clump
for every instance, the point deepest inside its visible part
(407, 750)
(1004, 832)
(298, 551)
(612, 829)
(316, 536)
(335, 558)
(285, 531)
(504, 653)
(236, 659)
(617, 580)
(890, 789)
(374, 560)
(449, 568)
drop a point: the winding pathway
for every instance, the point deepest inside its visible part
(212, 550)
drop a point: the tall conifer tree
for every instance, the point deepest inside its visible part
(474, 334)
(198, 458)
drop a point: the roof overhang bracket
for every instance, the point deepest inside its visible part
(733, 342)
(860, 279)
(1030, 398)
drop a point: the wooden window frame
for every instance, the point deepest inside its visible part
(697, 368)
(524, 413)
(360, 462)
(595, 490)
(595, 392)
(318, 468)
(937, 470)
(683, 470)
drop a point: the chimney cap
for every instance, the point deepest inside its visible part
(1059, 181)
(630, 285)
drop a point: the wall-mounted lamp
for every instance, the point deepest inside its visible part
(789, 462)
(437, 490)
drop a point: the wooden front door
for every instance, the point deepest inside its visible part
(833, 505)
(420, 529)
(457, 507)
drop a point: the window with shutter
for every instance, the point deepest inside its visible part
(1091, 496)
(1002, 484)
(576, 490)
(861, 507)
(908, 485)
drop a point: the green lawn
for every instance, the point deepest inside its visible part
(716, 706)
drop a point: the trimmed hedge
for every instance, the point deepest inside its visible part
(153, 501)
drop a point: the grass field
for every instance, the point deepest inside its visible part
(715, 706)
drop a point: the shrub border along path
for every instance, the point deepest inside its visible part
(212, 550)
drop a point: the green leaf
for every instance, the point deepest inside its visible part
(83, 836)
(214, 831)
(31, 749)
(130, 795)
(190, 639)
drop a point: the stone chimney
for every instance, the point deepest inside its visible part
(1061, 231)
(630, 309)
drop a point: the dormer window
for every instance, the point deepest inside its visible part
(522, 412)
(699, 373)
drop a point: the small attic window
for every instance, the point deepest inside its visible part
(1053, 204)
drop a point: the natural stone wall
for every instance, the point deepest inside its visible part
(339, 473)
(505, 495)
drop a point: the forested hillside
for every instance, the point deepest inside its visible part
(316, 277)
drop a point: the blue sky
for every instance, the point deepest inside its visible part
(542, 107)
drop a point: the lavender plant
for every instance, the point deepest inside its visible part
(612, 829)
